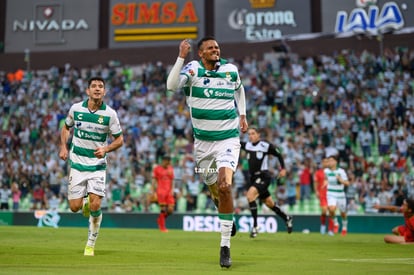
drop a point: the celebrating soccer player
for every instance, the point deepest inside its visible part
(212, 85)
(92, 121)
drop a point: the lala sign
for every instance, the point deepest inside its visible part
(373, 20)
(49, 25)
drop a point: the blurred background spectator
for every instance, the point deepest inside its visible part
(358, 102)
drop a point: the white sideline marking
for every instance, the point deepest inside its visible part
(409, 261)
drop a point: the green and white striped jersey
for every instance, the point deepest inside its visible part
(335, 189)
(91, 130)
(211, 99)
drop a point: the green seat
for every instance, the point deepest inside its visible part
(25, 203)
(154, 208)
(201, 202)
(181, 205)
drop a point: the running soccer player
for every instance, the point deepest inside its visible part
(162, 183)
(92, 122)
(336, 179)
(321, 193)
(260, 177)
(212, 86)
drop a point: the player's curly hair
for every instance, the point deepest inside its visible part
(410, 203)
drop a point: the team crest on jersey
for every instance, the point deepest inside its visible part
(100, 119)
(191, 72)
(259, 155)
(228, 76)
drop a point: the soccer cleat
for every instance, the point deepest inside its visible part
(89, 251)
(254, 232)
(289, 224)
(330, 233)
(233, 229)
(86, 211)
(225, 260)
(336, 228)
(344, 232)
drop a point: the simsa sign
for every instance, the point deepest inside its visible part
(147, 23)
(45, 25)
(260, 20)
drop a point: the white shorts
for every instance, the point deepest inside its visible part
(82, 183)
(212, 155)
(340, 203)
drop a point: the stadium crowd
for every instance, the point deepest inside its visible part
(358, 102)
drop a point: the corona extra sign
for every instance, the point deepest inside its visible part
(260, 20)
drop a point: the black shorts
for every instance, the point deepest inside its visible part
(261, 182)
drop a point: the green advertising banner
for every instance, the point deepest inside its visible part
(198, 222)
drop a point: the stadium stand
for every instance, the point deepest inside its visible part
(346, 91)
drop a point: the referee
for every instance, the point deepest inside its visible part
(260, 178)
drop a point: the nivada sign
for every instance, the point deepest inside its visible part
(260, 20)
(137, 23)
(51, 25)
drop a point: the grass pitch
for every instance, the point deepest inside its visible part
(32, 250)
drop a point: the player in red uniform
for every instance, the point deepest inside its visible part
(320, 191)
(162, 182)
(403, 234)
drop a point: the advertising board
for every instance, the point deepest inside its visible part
(154, 23)
(260, 20)
(45, 25)
(366, 16)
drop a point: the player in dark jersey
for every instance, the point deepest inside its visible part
(260, 177)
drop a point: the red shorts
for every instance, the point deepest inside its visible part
(406, 233)
(165, 198)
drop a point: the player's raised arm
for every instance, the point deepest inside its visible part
(174, 82)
